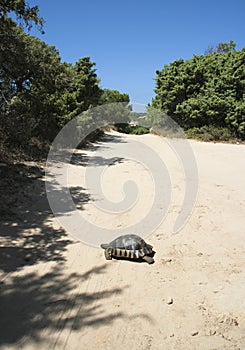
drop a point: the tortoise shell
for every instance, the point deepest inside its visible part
(130, 247)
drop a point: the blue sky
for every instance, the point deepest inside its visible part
(130, 40)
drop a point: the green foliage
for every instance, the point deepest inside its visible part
(206, 90)
(85, 85)
(32, 79)
(139, 130)
(123, 128)
(131, 129)
(39, 93)
(23, 12)
(112, 96)
(101, 117)
(210, 133)
(221, 48)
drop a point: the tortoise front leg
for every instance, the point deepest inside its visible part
(108, 254)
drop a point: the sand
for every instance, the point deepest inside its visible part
(59, 293)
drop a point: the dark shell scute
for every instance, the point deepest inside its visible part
(129, 242)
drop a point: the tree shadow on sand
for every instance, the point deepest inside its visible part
(39, 305)
(27, 234)
(80, 158)
(34, 307)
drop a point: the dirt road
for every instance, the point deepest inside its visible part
(59, 293)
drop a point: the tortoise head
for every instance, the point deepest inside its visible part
(104, 246)
(108, 253)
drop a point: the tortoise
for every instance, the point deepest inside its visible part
(129, 246)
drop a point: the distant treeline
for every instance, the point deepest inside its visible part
(205, 95)
(39, 93)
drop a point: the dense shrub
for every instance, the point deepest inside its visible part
(205, 91)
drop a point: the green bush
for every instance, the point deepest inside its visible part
(123, 128)
(139, 130)
(130, 129)
(210, 133)
(205, 94)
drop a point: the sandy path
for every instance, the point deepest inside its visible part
(65, 295)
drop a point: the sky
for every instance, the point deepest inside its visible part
(130, 40)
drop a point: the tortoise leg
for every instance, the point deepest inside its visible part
(148, 259)
(108, 254)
